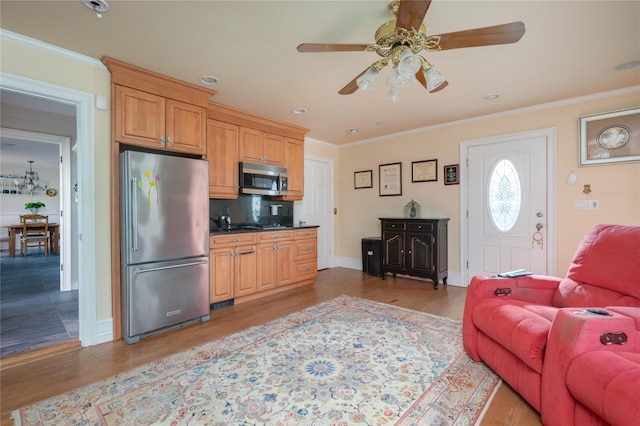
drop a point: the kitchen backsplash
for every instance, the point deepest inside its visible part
(252, 210)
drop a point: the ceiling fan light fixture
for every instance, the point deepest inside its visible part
(433, 78)
(367, 81)
(409, 64)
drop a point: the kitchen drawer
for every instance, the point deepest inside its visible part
(305, 249)
(306, 269)
(299, 234)
(231, 240)
(420, 227)
(391, 226)
(274, 236)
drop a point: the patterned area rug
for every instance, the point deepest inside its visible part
(345, 361)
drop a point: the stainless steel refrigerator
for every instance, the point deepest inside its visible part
(165, 242)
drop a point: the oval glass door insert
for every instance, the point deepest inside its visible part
(504, 195)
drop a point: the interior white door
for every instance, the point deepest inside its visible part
(507, 202)
(316, 208)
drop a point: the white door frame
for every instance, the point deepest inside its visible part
(64, 143)
(83, 102)
(550, 135)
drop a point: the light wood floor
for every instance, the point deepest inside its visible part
(39, 379)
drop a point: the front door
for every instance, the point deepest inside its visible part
(508, 202)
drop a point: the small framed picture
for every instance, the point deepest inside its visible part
(424, 171)
(451, 176)
(363, 179)
(612, 137)
(390, 176)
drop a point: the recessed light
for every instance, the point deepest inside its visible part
(298, 110)
(208, 79)
(628, 65)
(354, 131)
(491, 97)
(98, 6)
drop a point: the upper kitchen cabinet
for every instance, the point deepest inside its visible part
(222, 153)
(260, 147)
(259, 140)
(155, 111)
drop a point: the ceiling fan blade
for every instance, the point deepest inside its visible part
(328, 47)
(352, 86)
(487, 36)
(411, 13)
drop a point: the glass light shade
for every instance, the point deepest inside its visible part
(396, 80)
(394, 94)
(367, 81)
(409, 63)
(434, 79)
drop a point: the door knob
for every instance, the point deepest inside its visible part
(539, 226)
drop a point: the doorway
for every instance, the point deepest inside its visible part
(316, 208)
(85, 243)
(508, 200)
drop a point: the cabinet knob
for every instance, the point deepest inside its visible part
(169, 141)
(162, 140)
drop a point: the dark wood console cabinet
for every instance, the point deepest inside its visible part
(415, 247)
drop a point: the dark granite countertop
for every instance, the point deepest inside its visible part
(238, 229)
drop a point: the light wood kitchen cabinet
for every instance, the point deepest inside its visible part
(153, 121)
(275, 265)
(294, 163)
(222, 153)
(232, 266)
(305, 249)
(261, 147)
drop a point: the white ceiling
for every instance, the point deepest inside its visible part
(570, 49)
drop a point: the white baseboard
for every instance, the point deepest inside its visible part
(104, 331)
(454, 278)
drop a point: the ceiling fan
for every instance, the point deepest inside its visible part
(400, 40)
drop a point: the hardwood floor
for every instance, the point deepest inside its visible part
(36, 380)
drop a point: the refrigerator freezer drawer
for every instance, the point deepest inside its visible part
(159, 295)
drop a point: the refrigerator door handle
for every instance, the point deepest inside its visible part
(162, 268)
(134, 214)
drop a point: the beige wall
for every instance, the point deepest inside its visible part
(37, 64)
(617, 187)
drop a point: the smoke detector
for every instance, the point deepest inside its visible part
(98, 6)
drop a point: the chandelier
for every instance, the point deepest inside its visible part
(30, 181)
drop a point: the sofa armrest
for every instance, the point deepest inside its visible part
(536, 289)
(573, 332)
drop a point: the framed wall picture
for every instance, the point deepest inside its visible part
(424, 171)
(390, 176)
(451, 175)
(612, 137)
(363, 179)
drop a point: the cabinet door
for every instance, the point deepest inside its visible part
(186, 127)
(222, 153)
(294, 163)
(265, 266)
(273, 149)
(250, 145)
(221, 274)
(420, 253)
(245, 272)
(139, 117)
(284, 263)
(394, 249)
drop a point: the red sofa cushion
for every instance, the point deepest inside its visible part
(520, 327)
(608, 383)
(604, 270)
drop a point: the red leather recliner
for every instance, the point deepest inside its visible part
(530, 329)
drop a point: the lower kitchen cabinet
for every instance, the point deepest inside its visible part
(275, 259)
(305, 246)
(232, 266)
(415, 247)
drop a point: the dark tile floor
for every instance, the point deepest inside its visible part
(33, 310)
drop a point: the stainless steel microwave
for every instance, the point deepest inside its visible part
(263, 179)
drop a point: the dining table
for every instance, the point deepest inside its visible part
(16, 229)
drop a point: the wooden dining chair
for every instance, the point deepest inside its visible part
(35, 229)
